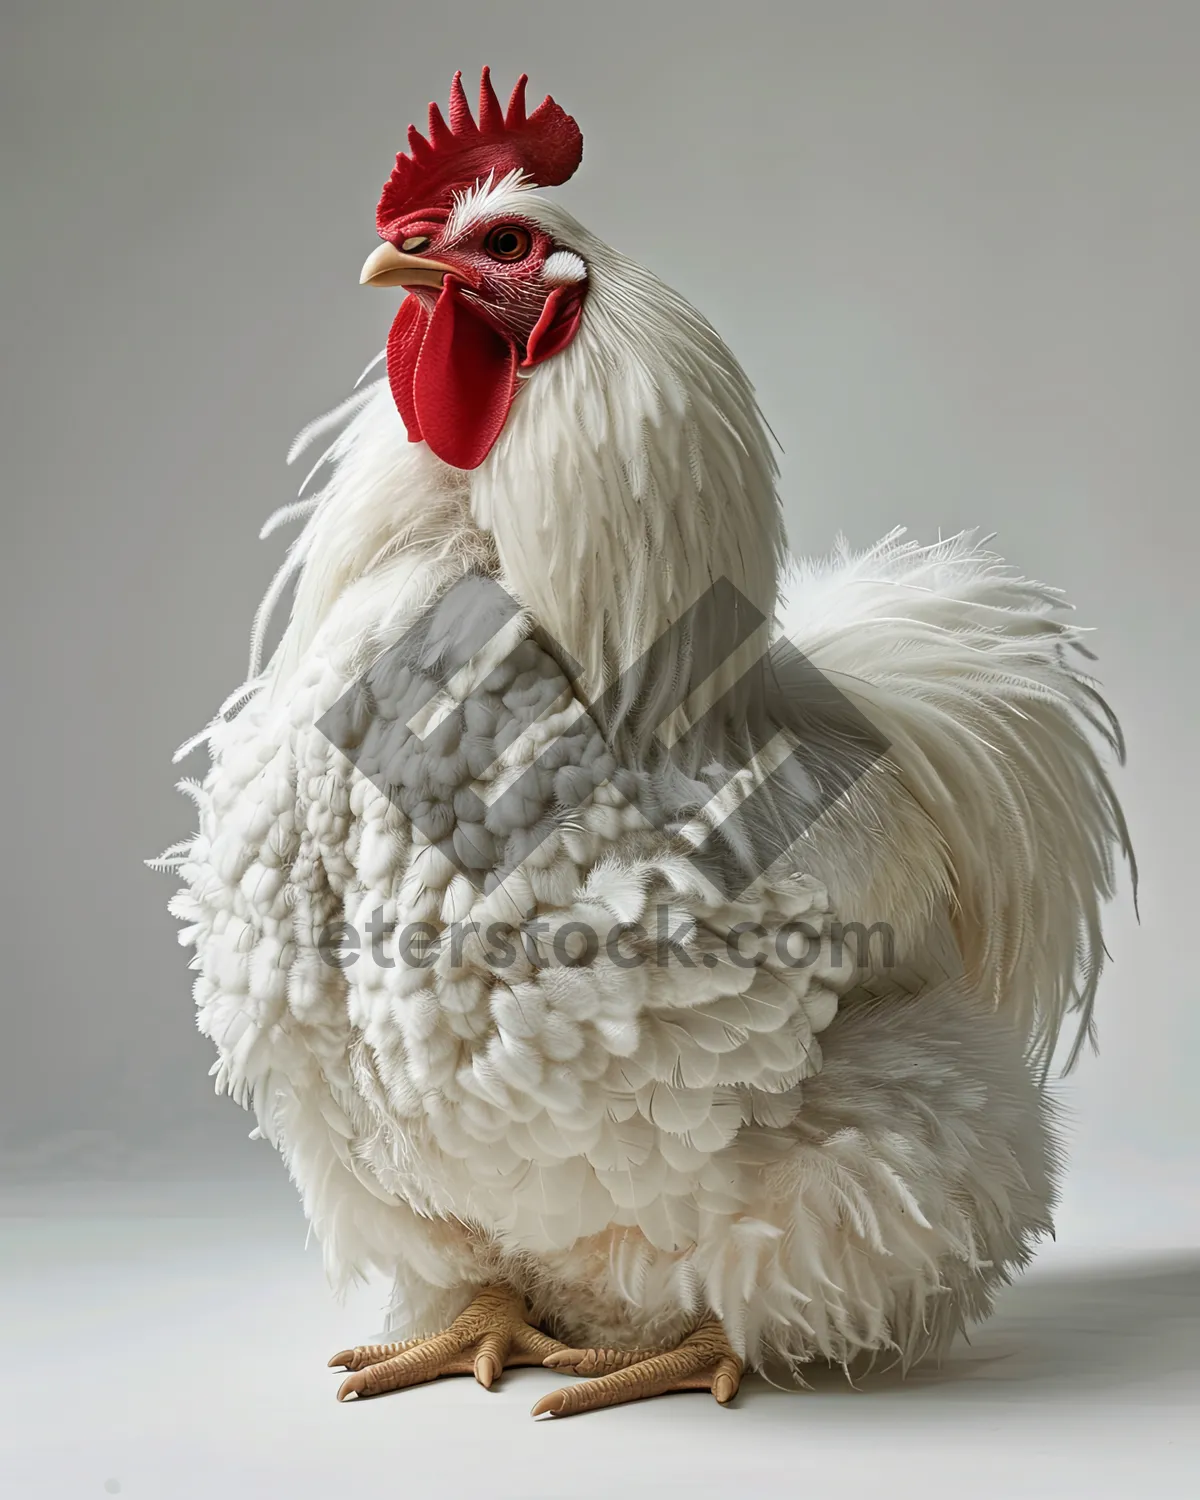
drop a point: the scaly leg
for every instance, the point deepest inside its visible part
(704, 1361)
(490, 1335)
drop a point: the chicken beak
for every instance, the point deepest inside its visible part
(387, 266)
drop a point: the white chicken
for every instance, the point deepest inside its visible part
(527, 867)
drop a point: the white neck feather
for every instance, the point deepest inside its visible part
(633, 472)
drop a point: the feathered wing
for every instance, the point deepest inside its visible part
(998, 740)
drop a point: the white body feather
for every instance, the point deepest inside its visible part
(632, 1146)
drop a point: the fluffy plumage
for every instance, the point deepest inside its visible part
(835, 1158)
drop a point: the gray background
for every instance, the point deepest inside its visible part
(955, 245)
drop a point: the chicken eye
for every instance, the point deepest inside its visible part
(508, 242)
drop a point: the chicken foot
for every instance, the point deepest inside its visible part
(703, 1361)
(488, 1336)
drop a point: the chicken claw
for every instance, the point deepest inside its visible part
(704, 1361)
(490, 1335)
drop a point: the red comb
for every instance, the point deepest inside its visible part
(547, 146)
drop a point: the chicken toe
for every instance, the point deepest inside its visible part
(703, 1361)
(488, 1336)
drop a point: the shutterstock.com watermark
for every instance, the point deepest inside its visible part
(667, 938)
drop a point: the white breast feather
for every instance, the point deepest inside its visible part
(542, 1101)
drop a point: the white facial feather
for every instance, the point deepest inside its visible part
(491, 198)
(564, 268)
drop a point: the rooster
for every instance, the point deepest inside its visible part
(547, 652)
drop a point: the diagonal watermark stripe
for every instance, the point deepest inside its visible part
(468, 692)
(471, 675)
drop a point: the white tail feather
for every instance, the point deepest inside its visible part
(973, 677)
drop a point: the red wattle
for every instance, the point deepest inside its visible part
(403, 347)
(556, 327)
(464, 382)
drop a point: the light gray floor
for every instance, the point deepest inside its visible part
(172, 1344)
